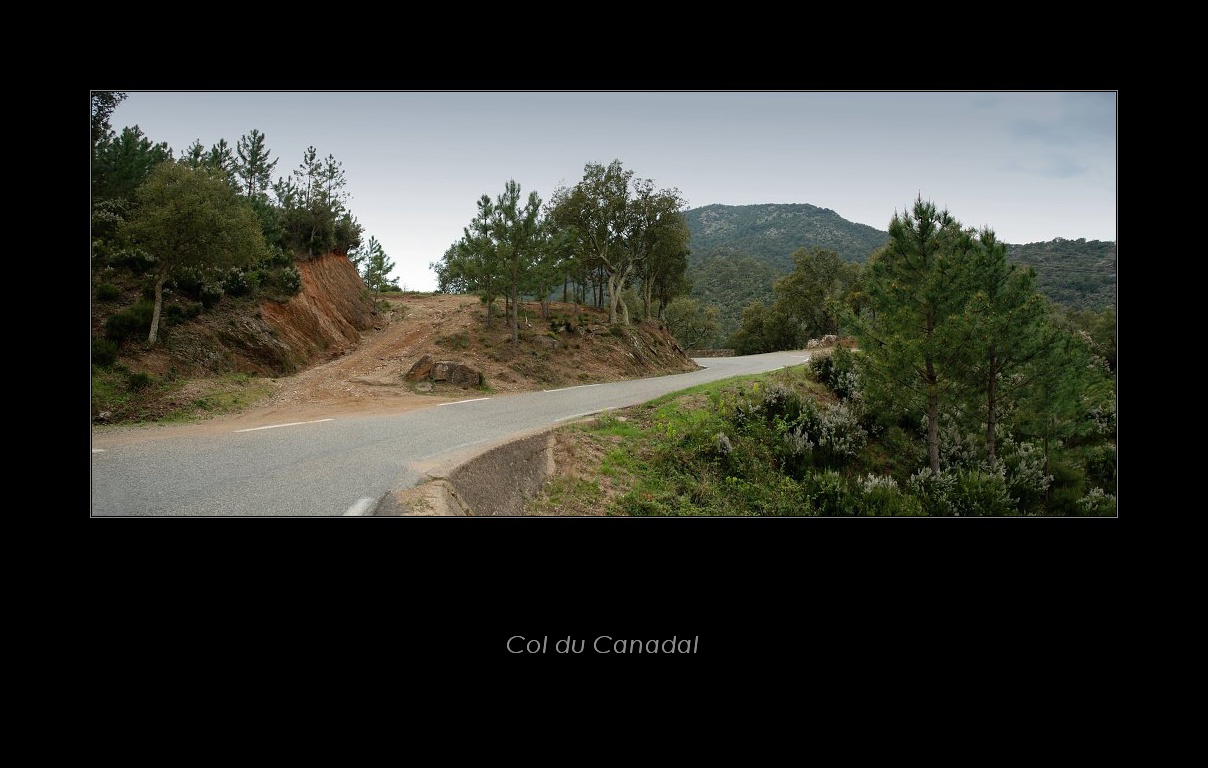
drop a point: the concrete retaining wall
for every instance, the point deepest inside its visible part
(493, 484)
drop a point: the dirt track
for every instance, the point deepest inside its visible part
(372, 379)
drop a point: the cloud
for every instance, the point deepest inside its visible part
(1077, 119)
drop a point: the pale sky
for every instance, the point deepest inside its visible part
(1031, 165)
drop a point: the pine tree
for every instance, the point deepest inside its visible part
(1005, 314)
(376, 268)
(913, 336)
(253, 167)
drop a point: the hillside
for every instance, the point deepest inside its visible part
(739, 251)
(326, 348)
(447, 327)
(772, 232)
(1077, 274)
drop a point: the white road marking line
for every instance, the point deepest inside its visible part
(580, 386)
(459, 402)
(291, 424)
(360, 508)
(576, 416)
(454, 448)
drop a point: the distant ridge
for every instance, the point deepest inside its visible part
(738, 251)
(772, 232)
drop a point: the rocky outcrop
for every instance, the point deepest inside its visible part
(272, 337)
(429, 369)
(326, 318)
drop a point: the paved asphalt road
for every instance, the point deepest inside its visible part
(343, 466)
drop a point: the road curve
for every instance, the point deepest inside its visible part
(341, 465)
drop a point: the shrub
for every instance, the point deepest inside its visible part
(1067, 489)
(812, 435)
(236, 282)
(139, 381)
(895, 451)
(459, 340)
(289, 280)
(880, 496)
(781, 403)
(135, 261)
(1100, 463)
(1026, 479)
(837, 371)
(188, 282)
(959, 448)
(828, 494)
(1098, 504)
(130, 323)
(837, 431)
(104, 353)
(932, 491)
(173, 312)
(107, 292)
(279, 257)
(980, 494)
(210, 295)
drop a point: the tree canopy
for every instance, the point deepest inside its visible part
(622, 225)
(191, 218)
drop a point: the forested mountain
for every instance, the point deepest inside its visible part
(771, 233)
(1077, 274)
(738, 251)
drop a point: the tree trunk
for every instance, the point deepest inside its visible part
(991, 441)
(514, 317)
(933, 420)
(153, 336)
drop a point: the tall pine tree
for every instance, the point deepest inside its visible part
(913, 336)
(1005, 313)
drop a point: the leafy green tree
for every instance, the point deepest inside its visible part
(913, 335)
(731, 281)
(758, 332)
(222, 157)
(519, 237)
(191, 219)
(452, 273)
(658, 239)
(576, 277)
(595, 210)
(618, 227)
(809, 300)
(694, 325)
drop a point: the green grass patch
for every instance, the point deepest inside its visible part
(121, 397)
(567, 496)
